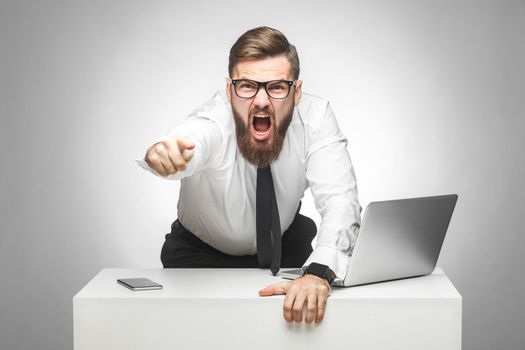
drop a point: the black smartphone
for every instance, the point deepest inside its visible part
(139, 283)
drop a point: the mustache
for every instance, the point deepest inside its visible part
(265, 110)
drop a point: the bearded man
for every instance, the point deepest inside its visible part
(245, 159)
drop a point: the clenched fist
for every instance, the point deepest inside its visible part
(170, 155)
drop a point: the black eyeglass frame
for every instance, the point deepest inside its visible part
(264, 83)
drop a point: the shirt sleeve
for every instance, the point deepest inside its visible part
(331, 178)
(207, 136)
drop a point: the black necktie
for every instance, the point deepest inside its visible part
(267, 222)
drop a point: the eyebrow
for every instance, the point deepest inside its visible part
(243, 78)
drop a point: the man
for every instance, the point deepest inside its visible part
(245, 159)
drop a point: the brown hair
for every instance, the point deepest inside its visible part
(263, 42)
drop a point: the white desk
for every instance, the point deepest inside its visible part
(221, 309)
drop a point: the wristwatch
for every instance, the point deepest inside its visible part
(320, 270)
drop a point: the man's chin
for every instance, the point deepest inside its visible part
(262, 146)
(260, 152)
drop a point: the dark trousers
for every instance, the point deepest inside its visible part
(183, 249)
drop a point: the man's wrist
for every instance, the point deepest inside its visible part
(320, 270)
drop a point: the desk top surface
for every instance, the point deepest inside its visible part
(245, 284)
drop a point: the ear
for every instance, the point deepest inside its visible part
(298, 92)
(229, 89)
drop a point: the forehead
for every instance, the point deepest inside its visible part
(263, 69)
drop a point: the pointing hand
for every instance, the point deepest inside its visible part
(170, 155)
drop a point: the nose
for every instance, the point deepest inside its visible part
(261, 98)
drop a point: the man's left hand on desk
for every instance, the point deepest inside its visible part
(309, 290)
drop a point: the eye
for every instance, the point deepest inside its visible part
(247, 85)
(277, 86)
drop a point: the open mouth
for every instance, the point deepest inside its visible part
(262, 127)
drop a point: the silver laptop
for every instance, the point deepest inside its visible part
(398, 239)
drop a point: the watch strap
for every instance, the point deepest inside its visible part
(320, 270)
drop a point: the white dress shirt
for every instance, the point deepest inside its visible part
(217, 197)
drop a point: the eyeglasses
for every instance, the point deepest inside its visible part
(277, 89)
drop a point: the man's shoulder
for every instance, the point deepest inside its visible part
(217, 109)
(312, 105)
(312, 109)
(313, 99)
(308, 99)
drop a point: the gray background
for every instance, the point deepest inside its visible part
(430, 94)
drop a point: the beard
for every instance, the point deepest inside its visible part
(261, 153)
